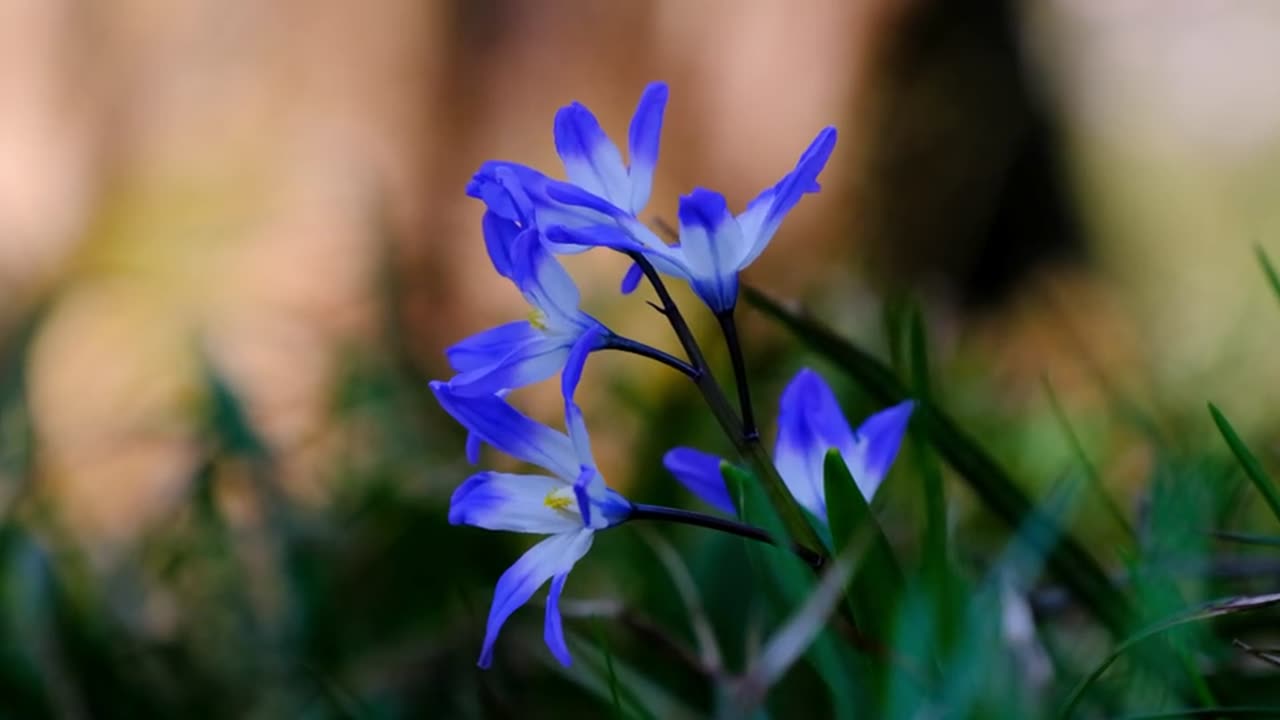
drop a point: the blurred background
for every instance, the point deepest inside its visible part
(234, 244)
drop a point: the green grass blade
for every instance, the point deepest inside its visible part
(1273, 277)
(877, 584)
(793, 582)
(1248, 461)
(936, 553)
(609, 671)
(1066, 558)
(1090, 470)
(1199, 614)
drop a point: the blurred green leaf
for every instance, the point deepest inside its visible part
(1252, 468)
(1067, 559)
(1207, 611)
(793, 581)
(878, 582)
(1090, 470)
(1273, 278)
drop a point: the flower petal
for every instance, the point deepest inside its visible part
(499, 236)
(764, 214)
(578, 434)
(591, 340)
(876, 446)
(632, 279)
(533, 360)
(516, 503)
(710, 243)
(490, 346)
(554, 556)
(519, 193)
(810, 423)
(545, 282)
(645, 136)
(553, 629)
(591, 160)
(495, 422)
(700, 473)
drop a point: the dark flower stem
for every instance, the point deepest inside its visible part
(748, 447)
(627, 345)
(640, 511)
(729, 327)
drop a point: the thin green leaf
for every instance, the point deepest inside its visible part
(1204, 612)
(603, 643)
(1247, 538)
(1067, 559)
(1090, 470)
(1225, 711)
(1273, 278)
(797, 634)
(878, 583)
(936, 553)
(793, 581)
(1252, 468)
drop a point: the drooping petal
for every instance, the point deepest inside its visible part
(573, 196)
(520, 194)
(765, 213)
(591, 160)
(554, 556)
(582, 491)
(810, 423)
(516, 503)
(591, 340)
(711, 243)
(645, 136)
(700, 473)
(545, 283)
(495, 422)
(499, 236)
(577, 427)
(553, 629)
(632, 279)
(487, 187)
(473, 447)
(533, 360)
(490, 346)
(876, 445)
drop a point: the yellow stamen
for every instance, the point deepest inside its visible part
(558, 500)
(538, 319)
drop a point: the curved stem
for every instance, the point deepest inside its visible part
(729, 327)
(627, 345)
(640, 511)
(748, 446)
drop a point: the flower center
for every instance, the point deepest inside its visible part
(561, 499)
(538, 319)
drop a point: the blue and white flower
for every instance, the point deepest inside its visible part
(607, 190)
(715, 245)
(557, 334)
(810, 423)
(569, 504)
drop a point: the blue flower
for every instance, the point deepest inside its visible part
(602, 188)
(810, 424)
(569, 504)
(557, 335)
(714, 244)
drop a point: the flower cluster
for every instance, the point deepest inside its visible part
(531, 218)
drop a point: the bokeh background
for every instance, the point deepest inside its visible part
(234, 244)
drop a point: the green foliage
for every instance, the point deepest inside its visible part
(1252, 468)
(992, 484)
(370, 605)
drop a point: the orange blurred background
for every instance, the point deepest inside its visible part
(236, 178)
